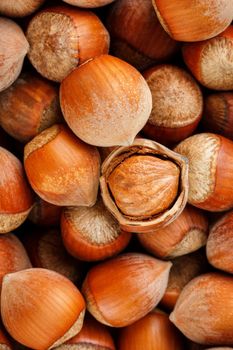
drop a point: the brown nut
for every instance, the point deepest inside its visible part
(19, 8)
(137, 36)
(145, 186)
(220, 243)
(187, 233)
(124, 289)
(210, 170)
(88, 3)
(63, 37)
(204, 310)
(45, 214)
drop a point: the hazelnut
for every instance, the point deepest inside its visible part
(19, 8)
(62, 169)
(102, 113)
(196, 20)
(41, 308)
(137, 36)
(144, 185)
(45, 214)
(211, 61)
(63, 37)
(124, 289)
(177, 104)
(88, 3)
(210, 172)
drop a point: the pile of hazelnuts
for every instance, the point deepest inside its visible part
(116, 177)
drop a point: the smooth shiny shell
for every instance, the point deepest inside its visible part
(210, 170)
(152, 332)
(92, 234)
(184, 235)
(39, 307)
(102, 113)
(13, 185)
(93, 336)
(19, 8)
(13, 49)
(136, 34)
(220, 243)
(211, 61)
(28, 107)
(62, 169)
(62, 37)
(13, 256)
(196, 20)
(88, 3)
(204, 310)
(144, 185)
(122, 290)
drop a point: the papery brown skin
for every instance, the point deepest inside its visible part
(144, 185)
(210, 61)
(184, 235)
(220, 243)
(13, 256)
(13, 49)
(88, 3)
(29, 106)
(122, 290)
(210, 170)
(137, 36)
(13, 185)
(46, 250)
(19, 8)
(177, 104)
(104, 114)
(204, 310)
(45, 214)
(152, 332)
(93, 336)
(41, 308)
(132, 171)
(218, 114)
(62, 169)
(63, 37)
(184, 269)
(200, 20)
(92, 234)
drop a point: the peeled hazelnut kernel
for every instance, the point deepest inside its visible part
(41, 308)
(13, 256)
(16, 198)
(210, 170)
(92, 234)
(195, 21)
(137, 36)
(102, 113)
(204, 310)
(184, 269)
(124, 289)
(93, 336)
(211, 61)
(154, 332)
(187, 233)
(63, 37)
(28, 107)
(177, 104)
(46, 250)
(62, 169)
(218, 114)
(45, 214)
(19, 8)
(144, 185)
(220, 243)
(13, 49)
(88, 3)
